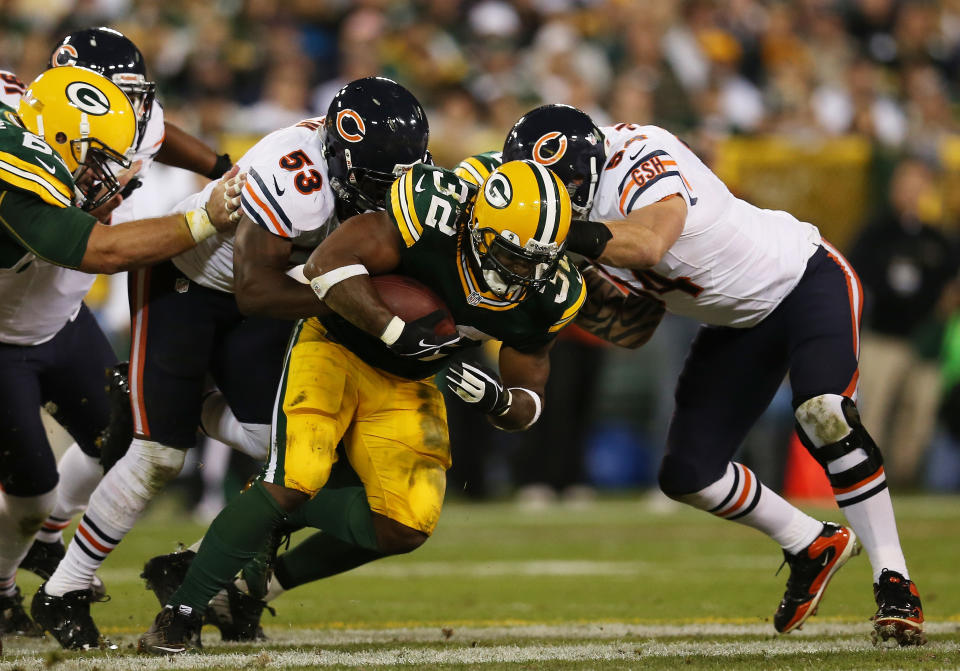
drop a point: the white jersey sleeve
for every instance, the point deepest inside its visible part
(287, 194)
(287, 191)
(733, 263)
(11, 89)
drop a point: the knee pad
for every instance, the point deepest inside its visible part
(829, 427)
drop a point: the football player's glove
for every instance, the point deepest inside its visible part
(417, 339)
(479, 387)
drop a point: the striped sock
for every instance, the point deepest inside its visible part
(52, 530)
(739, 496)
(8, 585)
(94, 540)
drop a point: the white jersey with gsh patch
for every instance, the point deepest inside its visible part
(733, 263)
(287, 193)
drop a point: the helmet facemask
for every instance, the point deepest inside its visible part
(508, 269)
(94, 176)
(141, 94)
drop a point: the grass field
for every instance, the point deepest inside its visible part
(621, 584)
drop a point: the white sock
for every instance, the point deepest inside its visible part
(79, 476)
(218, 421)
(875, 525)
(20, 518)
(116, 504)
(739, 496)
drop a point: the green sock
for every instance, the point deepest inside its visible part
(341, 512)
(319, 556)
(234, 538)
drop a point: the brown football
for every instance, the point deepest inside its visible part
(410, 300)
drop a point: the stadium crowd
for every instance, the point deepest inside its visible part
(884, 70)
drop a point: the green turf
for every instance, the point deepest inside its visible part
(616, 564)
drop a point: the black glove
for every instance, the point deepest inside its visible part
(479, 387)
(131, 186)
(418, 340)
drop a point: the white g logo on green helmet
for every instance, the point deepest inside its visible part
(498, 190)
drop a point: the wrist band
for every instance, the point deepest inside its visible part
(321, 283)
(198, 221)
(537, 406)
(589, 238)
(393, 330)
(506, 408)
(221, 166)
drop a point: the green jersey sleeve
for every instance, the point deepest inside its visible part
(427, 197)
(29, 164)
(550, 310)
(55, 234)
(475, 169)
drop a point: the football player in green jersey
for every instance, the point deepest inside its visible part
(364, 376)
(58, 154)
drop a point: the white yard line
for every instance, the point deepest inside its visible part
(461, 641)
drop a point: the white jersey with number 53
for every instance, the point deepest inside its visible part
(733, 263)
(287, 194)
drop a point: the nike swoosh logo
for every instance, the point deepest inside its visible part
(48, 168)
(277, 188)
(827, 557)
(639, 151)
(417, 187)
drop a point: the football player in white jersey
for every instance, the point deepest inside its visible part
(60, 290)
(773, 297)
(301, 181)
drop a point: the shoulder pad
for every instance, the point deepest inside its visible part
(475, 169)
(287, 190)
(426, 197)
(29, 164)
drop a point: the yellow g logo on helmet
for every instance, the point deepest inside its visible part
(519, 226)
(70, 106)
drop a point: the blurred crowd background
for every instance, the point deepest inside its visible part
(843, 112)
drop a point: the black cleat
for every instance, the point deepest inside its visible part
(115, 439)
(14, 619)
(43, 558)
(810, 571)
(68, 618)
(899, 612)
(165, 573)
(236, 615)
(174, 631)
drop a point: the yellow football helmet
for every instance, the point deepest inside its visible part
(88, 121)
(518, 229)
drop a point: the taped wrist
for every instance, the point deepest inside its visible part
(392, 331)
(220, 167)
(198, 221)
(321, 284)
(588, 238)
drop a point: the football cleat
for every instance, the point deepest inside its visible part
(175, 630)
(810, 572)
(899, 611)
(165, 573)
(236, 615)
(14, 619)
(68, 618)
(43, 558)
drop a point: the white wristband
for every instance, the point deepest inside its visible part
(198, 221)
(537, 405)
(321, 283)
(392, 331)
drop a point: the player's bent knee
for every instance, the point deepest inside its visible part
(679, 477)
(829, 427)
(394, 538)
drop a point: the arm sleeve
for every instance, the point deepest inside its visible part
(55, 234)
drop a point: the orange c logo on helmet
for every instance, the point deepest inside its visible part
(66, 54)
(538, 154)
(355, 136)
